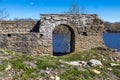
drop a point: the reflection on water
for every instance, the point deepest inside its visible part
(61, 43)
(112, 40)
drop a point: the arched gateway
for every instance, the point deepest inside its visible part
(63, 40)
(67, 43)
(80, 27)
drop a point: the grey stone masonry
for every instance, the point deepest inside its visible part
(35, 37)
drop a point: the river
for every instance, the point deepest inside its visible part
(112, 40)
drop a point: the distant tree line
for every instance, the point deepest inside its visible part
(4, 15)
(112, 27)
(24, 19)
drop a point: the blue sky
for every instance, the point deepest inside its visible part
(108, 10)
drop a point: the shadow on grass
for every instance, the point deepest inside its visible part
(60, 54)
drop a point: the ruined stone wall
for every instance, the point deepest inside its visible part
(88, 28)
(23, 36)
(26, 43)
(16, 26)
(83, 22)
(36, 36)
(91, 41)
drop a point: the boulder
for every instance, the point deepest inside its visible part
(114, 64)
(77, 63)
(52, 77)
(95, 62)
(8, 67)
(95, 71)
(110, 69)
(30, 64)
(57, 78)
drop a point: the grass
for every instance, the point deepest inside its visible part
(71, 74)
(116, 71)
(43, 64)
(3, 66)
(9, 52)
(67, 72)
(84, 55)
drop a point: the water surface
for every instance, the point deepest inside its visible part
(112, 40)
(61, 42)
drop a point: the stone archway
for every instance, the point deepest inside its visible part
(48, 25)
(63, 40)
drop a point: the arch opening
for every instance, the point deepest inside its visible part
(63, 40)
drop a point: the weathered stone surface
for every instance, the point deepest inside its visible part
(114, 64)
(30, 64)
(94, 62)
(8, 67)
(96, 71)
(36, 36)
(16, 26)
(77, 63)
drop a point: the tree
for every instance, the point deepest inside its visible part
(3, 14)
(75, 9)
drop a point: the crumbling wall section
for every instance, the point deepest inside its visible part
(36, 36)
(31, 43)
(16, 26)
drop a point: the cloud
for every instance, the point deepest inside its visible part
(31, 3)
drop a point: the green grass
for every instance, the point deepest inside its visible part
(116, 70)
(84, 55)
(70, 72)
(9, 52)
(43, 64)
(75, 74)
(3, 66)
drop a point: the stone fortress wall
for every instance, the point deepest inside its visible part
(35, 37)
